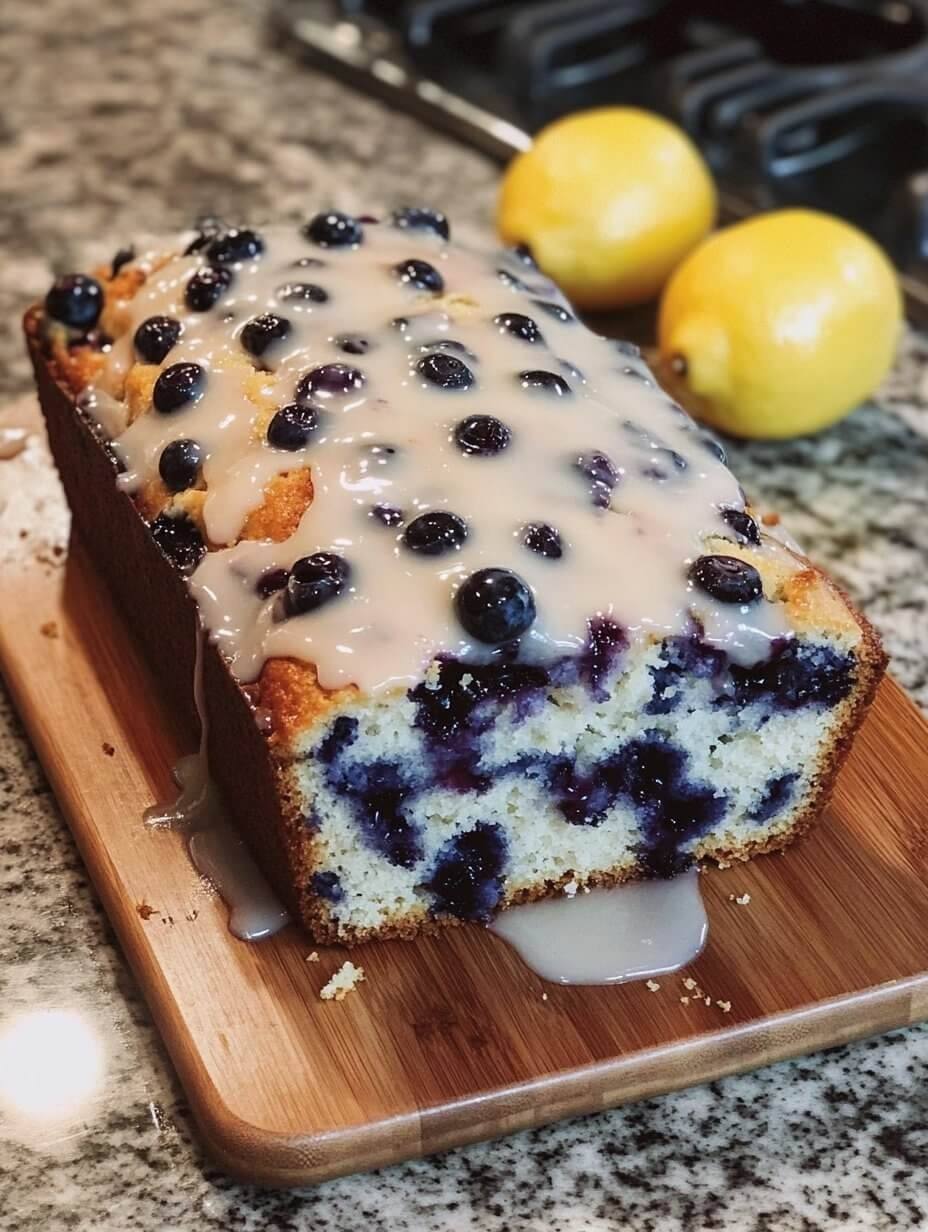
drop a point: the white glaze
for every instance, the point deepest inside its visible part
(628, 562)
(631, 932)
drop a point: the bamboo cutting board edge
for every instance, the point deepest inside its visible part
(262, 1153)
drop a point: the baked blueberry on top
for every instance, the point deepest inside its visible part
(501, 617)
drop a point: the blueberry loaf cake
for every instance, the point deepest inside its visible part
(487, 613)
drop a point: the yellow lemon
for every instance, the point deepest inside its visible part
(780, 325)
(609, 201)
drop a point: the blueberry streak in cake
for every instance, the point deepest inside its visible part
(501, 611)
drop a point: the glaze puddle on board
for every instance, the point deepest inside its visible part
(630, 932)
(219, 854)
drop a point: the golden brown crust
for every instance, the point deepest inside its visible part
(286, 499)
(289, 691)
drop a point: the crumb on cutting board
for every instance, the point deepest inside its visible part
(108, 749)
(652, 985)
(49, 629)
(313, 957)
(146, 911)
(742, 899)
(344, 981)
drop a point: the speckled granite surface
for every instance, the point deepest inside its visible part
(124, 118)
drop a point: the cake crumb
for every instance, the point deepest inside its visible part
(544, 996)
(652, 985)
(49, 629)
(146, 911)
(432, 677)
(689, 984)
(708, 1000)
(571, 889)
(108, 749)
(313, 957)
(344, 981)
(724, 1006)
(724, 864)
(684, 1000)
(743, 900)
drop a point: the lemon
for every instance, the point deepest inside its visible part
(780, 325)
(609, 202)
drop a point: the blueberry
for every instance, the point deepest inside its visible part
(387, 514)
(271, 581)
(334, 230)
(315, 580)
(305, 292)
(674, 809)
(292, 426)
(329, 380)
(258, 334)
(449, 344)
(340, 736)
(467, 879)
(777, 794)
(235, 246)
(727, 579)
(377, 792)
(482, 434)
(445, 371)
(179, 464)
(544, 539)
(511, 280)
(606, 640)
(557, 311)
(177, 386)
(662, 454)
(122, 257)
(796, 674)
(714, 447)
(206, 287)
(418, 218)
(352, 344)
(453, 707)
(495, 605)
(327, 886)
(628, 350)
(523, 253)
(682, 657)
(602, 474)
(180, 541)
(549, 382)
(434, 533)
(419, 274)
(742, 524)
(75, 300)
(521, 327)
(207, 227)
(155, 337)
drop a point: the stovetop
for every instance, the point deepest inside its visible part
(814, 102)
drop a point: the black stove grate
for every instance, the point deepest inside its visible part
(812, 102)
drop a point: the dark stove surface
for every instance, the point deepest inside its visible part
(813, 102)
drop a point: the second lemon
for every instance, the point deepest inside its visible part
(609, 202)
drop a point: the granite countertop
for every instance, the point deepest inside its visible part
(122, 119)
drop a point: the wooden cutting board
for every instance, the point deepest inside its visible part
(451, 1039)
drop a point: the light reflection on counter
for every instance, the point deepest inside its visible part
(52, 1065)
